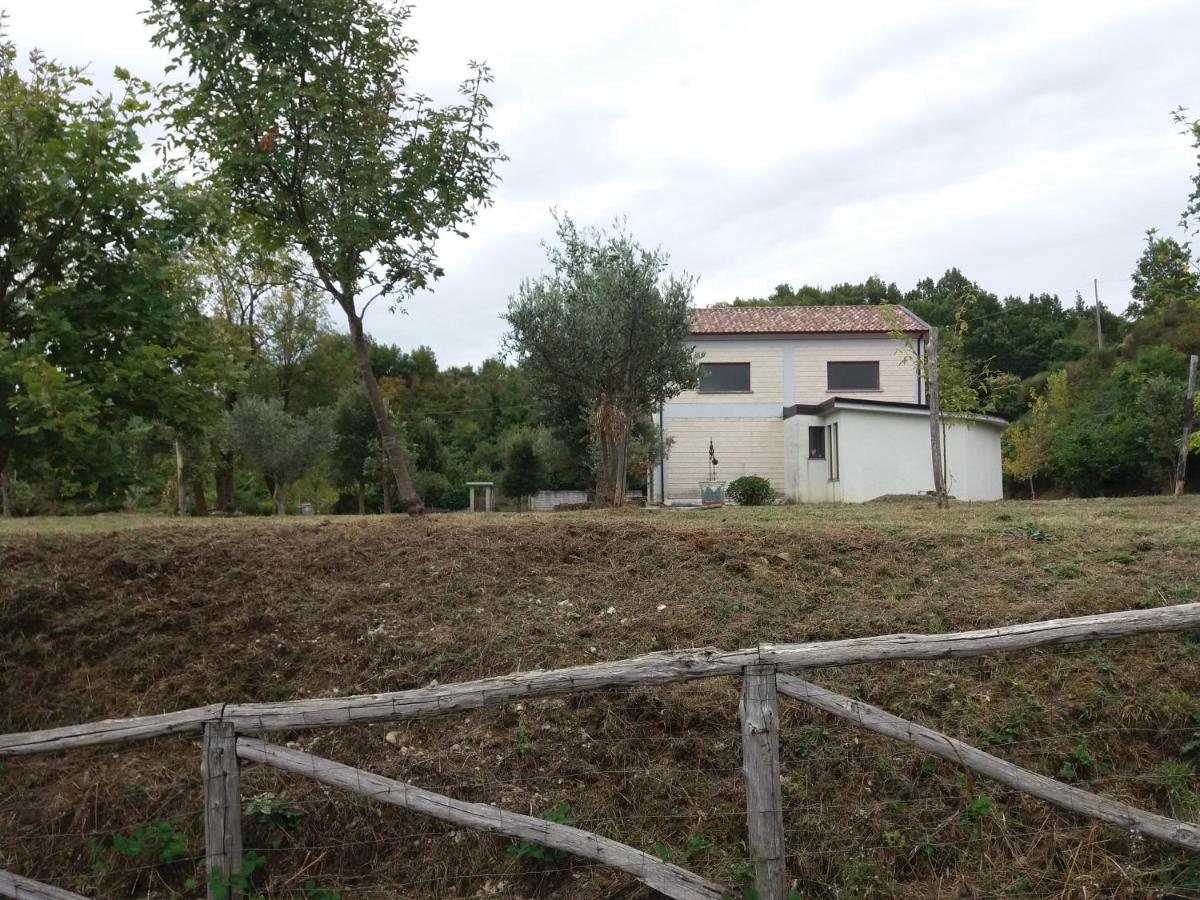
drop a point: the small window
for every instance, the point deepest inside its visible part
(716, 378)
(816, 442)
(835, 468)
(853, 376)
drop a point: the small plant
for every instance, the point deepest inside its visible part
(524, 740)
(1178, 779)
(155, 843)
(273, 817)
(529, 850)
(750, 490)
(1078, 761)
(238, 884)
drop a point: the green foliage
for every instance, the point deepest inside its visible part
(750, 490)
(607, 331)
(1078, 762)
(273, 818)
(280, 446)
(313, 891)
(522, 467)
(240, 883)
(528, 850)
(156, 843)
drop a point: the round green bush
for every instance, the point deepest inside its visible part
(750, 490)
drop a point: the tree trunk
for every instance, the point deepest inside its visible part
(225, 489)
(362, 500)
(387, 496)
(1188, 421)
(1032, 495)
(409, 498)
(198, 499)
(180, 486)
(935, 423)
(279, 497)
(6, 506)
(610, 430)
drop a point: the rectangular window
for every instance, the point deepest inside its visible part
(717, 378)
(816, 442)
(853, 376)
(835, 469)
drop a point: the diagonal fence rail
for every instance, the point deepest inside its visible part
(762, 669)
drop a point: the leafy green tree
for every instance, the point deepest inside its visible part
(353, 429)
(522, 467)
(98, 322)
(1027, 445)
(281, 447)
(609, 331)
(302, 110)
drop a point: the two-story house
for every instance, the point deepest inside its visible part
(824, 401)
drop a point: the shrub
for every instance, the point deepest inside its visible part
(750, 490)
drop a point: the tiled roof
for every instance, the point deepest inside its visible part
(803, 320)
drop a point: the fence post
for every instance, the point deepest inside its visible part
(222, 805)
(759, 712)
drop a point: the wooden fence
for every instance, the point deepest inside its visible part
(226, 730)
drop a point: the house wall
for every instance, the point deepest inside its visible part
(744, 446)
(791, 370)
(887, 452)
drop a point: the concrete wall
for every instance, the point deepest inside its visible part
(887, 452)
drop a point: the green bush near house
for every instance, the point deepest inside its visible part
(750, 490)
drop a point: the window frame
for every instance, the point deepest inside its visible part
(829, 368)
(815, 452)
(832, 451)
(708, 366)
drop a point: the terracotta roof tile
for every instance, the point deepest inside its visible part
(803, 320)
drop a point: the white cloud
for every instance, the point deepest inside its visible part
(1027, 143)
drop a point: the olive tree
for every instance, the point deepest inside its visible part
(303, 112)
(279, 446)
(607, 329)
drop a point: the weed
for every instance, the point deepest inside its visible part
(524, 740)
(1178, 780)
(155, 843)
(238, 884)
(273, 817)
(313, 891)
(529, 850)
(1078, 761)
(809, 740)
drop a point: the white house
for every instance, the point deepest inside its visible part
(825, 402)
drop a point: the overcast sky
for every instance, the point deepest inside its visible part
(1028, 144)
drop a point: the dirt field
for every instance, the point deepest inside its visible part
(113, 617)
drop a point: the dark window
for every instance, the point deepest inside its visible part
(816, 441)
(719, 377)
(853, 376)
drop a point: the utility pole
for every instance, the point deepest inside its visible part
(935, 422)
(1189, 417)
(1096, 294)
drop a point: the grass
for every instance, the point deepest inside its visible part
(115, 615)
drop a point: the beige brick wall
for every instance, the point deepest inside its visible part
(897, 379)
(744, 447)
(766, 372)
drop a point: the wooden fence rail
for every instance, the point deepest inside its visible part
(761, 668)
(653, 668)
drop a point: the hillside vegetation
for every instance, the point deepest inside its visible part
(162, 616)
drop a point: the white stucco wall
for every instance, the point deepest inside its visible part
(887, 452)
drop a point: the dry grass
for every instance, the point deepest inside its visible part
(100, 619)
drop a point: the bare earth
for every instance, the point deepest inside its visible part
(117, 616)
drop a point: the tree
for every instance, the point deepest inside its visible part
(1027, 445)
(98, 322)
(606, 330)
(302, 110)
(281, 447)
(522, 467)
(353, 430)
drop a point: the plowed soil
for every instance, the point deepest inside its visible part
(153, 619)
